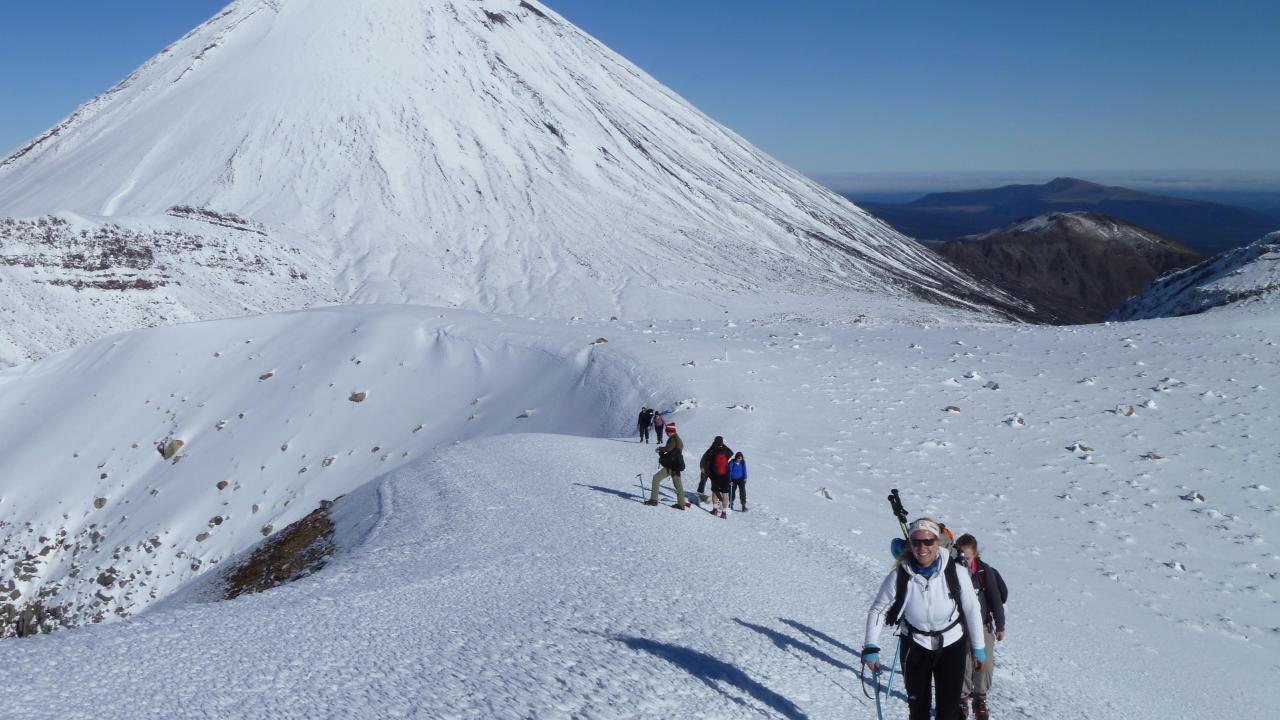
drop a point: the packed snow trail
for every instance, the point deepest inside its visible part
(486, 590)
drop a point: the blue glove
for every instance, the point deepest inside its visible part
(871, 654)
(897, 547)
(980, 655)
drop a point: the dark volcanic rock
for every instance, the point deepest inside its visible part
(1074, 267)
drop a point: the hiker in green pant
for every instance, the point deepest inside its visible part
(671, 458)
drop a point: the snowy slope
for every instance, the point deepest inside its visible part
(1247, 276)
(457, 153)
(519, 576)
(67, 279)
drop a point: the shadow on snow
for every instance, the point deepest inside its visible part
(715, 673)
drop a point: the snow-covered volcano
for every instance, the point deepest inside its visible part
(487, 155)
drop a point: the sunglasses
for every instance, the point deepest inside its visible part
(923, 542)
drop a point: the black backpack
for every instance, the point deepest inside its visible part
(894, 615)
(1004, 589)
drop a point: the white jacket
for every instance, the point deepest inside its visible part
(929, 607)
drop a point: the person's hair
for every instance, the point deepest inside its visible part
(967, 540)
(738, 455)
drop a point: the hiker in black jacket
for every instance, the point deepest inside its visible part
(987, 582)
(706, 466)
(643, 423)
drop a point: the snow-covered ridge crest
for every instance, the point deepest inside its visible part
(484, 155)
(221, 433)
(1247, 277)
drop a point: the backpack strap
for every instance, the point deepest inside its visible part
(899, 597)
(953, 583)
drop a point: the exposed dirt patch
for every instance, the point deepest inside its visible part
(291, 554)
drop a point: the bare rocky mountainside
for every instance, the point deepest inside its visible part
(1074, 267)
(484, 155)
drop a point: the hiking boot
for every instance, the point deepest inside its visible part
(678, 505)
(980, 707)
(724, 515)
(964, 710)
(650, 502)
(744, 507)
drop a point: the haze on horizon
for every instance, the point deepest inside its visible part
(845, 89)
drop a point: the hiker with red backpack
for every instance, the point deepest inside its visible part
(659, 423)
(714, 466)
(992, 595)
(932, 618)
(671, 458)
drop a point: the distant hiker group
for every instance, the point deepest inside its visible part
(726, 470)
(940, 625)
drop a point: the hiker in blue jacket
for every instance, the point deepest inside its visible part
(738, 479)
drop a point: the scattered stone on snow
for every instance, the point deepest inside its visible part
(951, 409)
(358, 397)
(222, 484)
(169, 448)
(266, 376)
(1193, 496)
(99, 503)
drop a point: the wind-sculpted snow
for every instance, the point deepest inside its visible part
(1244, 278)
(1118, 476)
(482, 155)
(130, 466)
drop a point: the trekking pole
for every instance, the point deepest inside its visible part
(640, 482)
(888, 693)
(895, 502)
(879, 707)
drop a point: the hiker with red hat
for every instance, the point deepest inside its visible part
(671, 458)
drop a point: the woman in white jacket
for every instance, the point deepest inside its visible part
(933, 605)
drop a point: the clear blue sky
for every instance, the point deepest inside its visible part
(834, 85)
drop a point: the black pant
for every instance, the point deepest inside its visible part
(739, 488)
(644, 432)
(941, 668)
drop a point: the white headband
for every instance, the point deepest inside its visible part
(927, 525)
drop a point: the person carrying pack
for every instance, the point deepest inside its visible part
(992, 595)
(714, 466)
(643, 423)
(933, 605)
(671, 458)
(659, 423)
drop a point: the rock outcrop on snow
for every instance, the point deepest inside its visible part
(1074, 267)
(1246, 276)
(443, 152)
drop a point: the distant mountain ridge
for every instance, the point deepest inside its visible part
(1074, 267)
(1207, 227)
